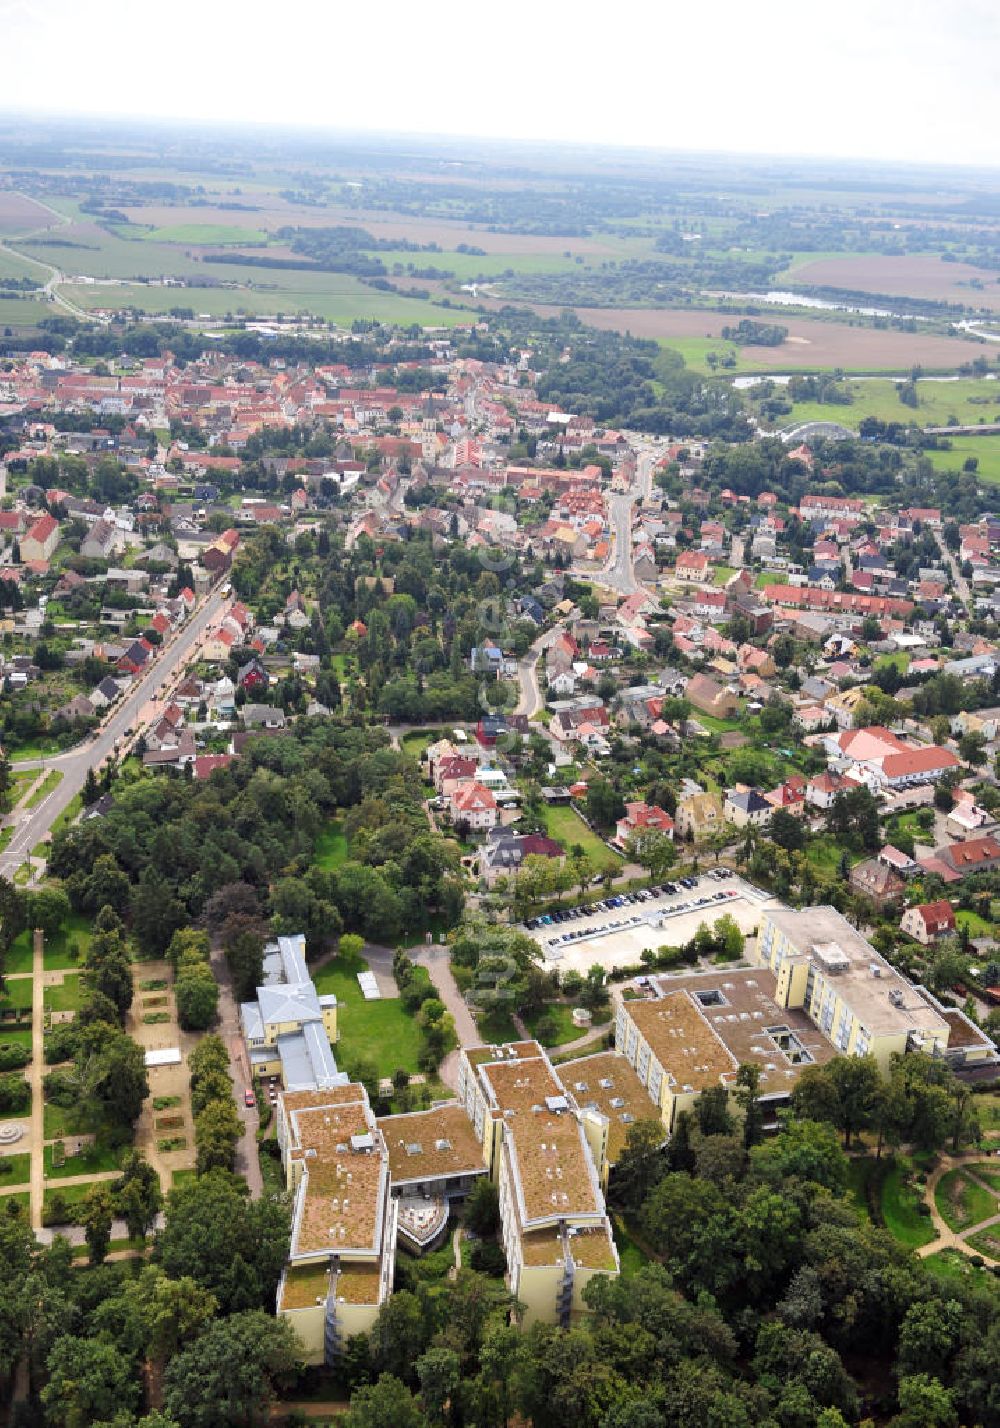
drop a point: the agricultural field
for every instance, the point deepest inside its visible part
(20, 214)
(812, 344)
(912, 275)
(336, 298)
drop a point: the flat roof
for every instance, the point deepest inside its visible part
(606, 1082)
(302, 1284)
(431, 1145)
(338, 1206)
(551, 1165)
(753, 1026)
(683, 1042)
(882, 1000)
(166, 1056)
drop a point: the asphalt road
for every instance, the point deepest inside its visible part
(139, 705)
(530, 700)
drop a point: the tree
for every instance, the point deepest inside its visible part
(786, 830)
(89, 1381)
(482, 1208)
(91, 789)
(924, 1403)
(747, 1097)
(228, 1244)
(217, 1131)
(604, 804)
(96, 1216)
(137, 1195)
(196, 993)
(711, 1111)
(806, 1150)
(388, 1403)
(243, 944)
(640, 1166)
(439, 1373)
(654, 851)
(400, 1334)
(233, 1372)
(845, 1092)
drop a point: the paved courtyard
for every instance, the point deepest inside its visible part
(616, 937)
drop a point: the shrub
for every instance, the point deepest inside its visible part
(15, 1093)
(12, 1058)
(60, 1043)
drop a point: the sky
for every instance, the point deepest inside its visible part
(912, 80)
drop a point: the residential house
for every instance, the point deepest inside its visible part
(40, 540)
(878, 882)
(693, 567)
(709, 697)
(504, 852)
(252, 676)
(698, 816)
(473, 807)
(928, 921)
(639, 818)
(262, 716)
(745, 807)
(101, 542)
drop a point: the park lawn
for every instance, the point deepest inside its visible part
(21, 956)
(71, 1195)
(987, 1108)
(952, 1265)
(722, 573)
(331, 846)
(76, 930)
(630, 1256)
(900, 1204)
(962, 1202)
(15, 1035)
(48, 785)
(563, 1018)
(986, 450)
(35, 749)
(68, 996)
(714, 725)
(68, 814)
(181, 1177)
(860, 1170)
(568, 828)
(899, 660)
(91, 1160)
(496, 1027)
(986, 1242)
(823, 854)
(988, 1172)
(19, 1172)
(59, 1121)
(382, 1032)
(18, 993)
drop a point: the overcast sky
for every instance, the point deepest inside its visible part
(904, 79)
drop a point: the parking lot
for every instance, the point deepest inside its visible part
(615, 932)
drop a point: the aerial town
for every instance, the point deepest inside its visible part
(499, 885)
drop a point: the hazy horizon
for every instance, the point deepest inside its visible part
(879, 82)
